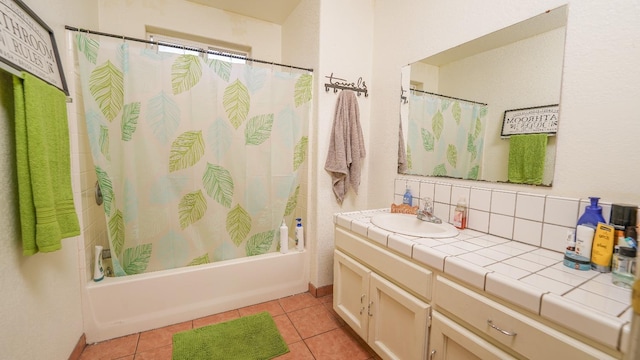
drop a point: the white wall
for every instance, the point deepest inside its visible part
(300, 47)
(598, 130)
(345, 40)
(40, 306)
(130, 18)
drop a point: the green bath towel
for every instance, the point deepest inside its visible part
(47, 212)
(526, 158)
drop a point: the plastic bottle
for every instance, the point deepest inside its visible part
(98, 271)
(299, 235)
(284, 238)
(460, 214)
(586, 228)
(407, 198)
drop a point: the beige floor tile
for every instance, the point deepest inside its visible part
(111, 349)
(312, 321)
(273, 307)
(336, 344)
(299, 301)
(161, 337)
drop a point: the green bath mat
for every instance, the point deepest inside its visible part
(253, 337)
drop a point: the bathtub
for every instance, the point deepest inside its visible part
(118, 306)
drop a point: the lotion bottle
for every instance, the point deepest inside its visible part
(98, 271)
(299, 235)
(284, 238)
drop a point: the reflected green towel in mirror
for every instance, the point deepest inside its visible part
(526, 158)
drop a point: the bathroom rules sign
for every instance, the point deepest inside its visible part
(28, 44)
(534, 120)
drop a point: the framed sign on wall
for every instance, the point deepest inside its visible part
(28, 44)
(533, 120)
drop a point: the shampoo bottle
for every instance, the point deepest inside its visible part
(407, 198)
(284, 238)
(299, 235)
(98, 271)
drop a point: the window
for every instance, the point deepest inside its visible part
(178, 45)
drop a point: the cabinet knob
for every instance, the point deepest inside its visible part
(505, 332)
(432, 354)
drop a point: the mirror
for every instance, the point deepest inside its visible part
(518, 67)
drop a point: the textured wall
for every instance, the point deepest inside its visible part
(40, 309)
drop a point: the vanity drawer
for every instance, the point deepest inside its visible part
(404, 273)
(519, 332)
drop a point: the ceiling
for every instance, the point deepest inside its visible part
(275, 11)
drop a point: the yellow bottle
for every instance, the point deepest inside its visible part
(602, 248)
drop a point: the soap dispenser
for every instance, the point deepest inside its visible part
(407, 198)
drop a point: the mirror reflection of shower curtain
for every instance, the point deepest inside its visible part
(198, 159)
(445, 136)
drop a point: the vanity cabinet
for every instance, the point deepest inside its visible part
(405, 310)
(392, 321)
(519, 333)
(451, 341)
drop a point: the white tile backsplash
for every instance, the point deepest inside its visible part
(480, 199)
(501, 225)
(554, 237)
(503, 202)
(528, 218)
(427, 190)
(530, 206)
(441, 211)
(478, 220)
(443, 193)
(561, 211)
(527, 231)
(460, 193)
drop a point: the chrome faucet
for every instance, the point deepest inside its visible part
(426, 213)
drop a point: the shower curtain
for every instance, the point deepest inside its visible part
(198, 159)
(445, 136)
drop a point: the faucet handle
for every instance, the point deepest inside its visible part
(428, 204)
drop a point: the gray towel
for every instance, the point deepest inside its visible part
(346, 149)
(402, 153)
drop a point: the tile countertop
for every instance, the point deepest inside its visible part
(531, 277)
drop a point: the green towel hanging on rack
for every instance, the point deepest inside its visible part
(45, 197)
(527, 158)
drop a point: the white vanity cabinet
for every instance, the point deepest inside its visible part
(391, 320)
(406, 310)
(451, 341)
(519, 333)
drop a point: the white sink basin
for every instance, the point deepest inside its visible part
(410, 225)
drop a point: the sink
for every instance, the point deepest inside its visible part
(410, 225)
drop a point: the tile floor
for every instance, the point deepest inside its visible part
(309, 326)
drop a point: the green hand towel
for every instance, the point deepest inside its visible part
(526, 158)
(47, 213)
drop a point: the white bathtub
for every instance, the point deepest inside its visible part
(120, 306)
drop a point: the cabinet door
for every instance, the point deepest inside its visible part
(398, 326)
(451, 341)
(350, 292)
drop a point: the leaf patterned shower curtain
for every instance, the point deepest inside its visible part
(445, 136)
(198, 160)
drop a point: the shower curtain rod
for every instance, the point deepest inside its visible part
(157, 43)
(449, 97)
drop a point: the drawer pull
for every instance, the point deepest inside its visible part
(505, 332)
(433, 352)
